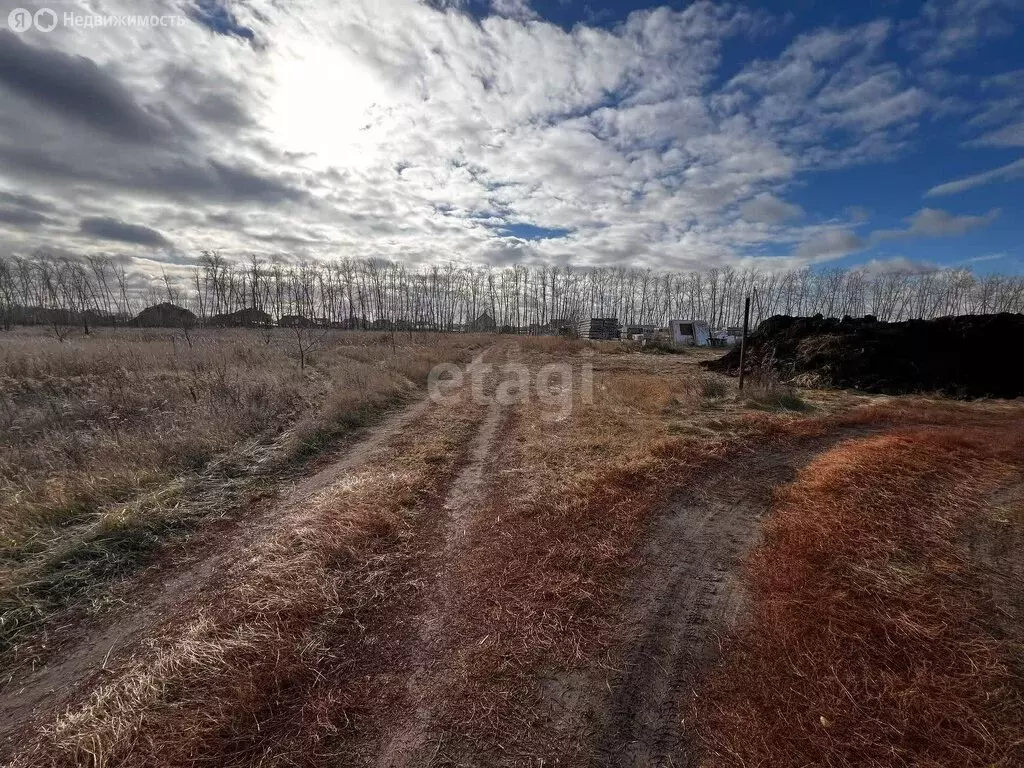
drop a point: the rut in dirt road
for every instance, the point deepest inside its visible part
(680, 602)
(409, 745)
(410, 741)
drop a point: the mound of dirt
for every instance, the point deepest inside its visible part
(968, 356)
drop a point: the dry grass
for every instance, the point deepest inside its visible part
(542, 573)
(714, 388)
(371, 605)
(95, 418)
(554, 345)
(111, 442)
(275, 666)
(868, 642)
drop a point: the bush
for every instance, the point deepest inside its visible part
(714, 388)
(776, 397)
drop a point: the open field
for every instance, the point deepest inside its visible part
(583, 555)
(110, 443)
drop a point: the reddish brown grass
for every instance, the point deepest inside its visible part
(360, 611)
(866, 643)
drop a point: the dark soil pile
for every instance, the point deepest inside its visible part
(968, 356)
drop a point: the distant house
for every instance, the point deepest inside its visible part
(483, 324)
(241, 318)
(294, 321)
(690, 333)
(165, 315)
(44, 316)
(352, 324)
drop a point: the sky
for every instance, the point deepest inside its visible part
(886, 134)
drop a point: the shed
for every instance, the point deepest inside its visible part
(690, 333)
(483, 324)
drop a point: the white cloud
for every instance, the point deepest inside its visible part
(946, 29)
(769, 209)
(1008, 136)
(513, 9)
(899, 265)
(831, 244)
(831, 98)
(933, 222)
(1014, 170)
(413, 131)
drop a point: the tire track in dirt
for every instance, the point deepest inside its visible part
(995, 546)
(410, 744)
(685, 595)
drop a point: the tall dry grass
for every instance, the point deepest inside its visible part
(278, 664)
(869, 641)
(111, 442)
(317, 639)
(306, 653)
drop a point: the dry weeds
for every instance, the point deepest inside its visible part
(275, 667)
(305, 650)
(543, 570)
(110, 443)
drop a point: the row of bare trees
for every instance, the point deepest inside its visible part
(374, 293)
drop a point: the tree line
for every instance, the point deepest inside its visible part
(373, 293)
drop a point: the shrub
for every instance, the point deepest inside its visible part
(662, 347)
(714, 388)
(776, 397)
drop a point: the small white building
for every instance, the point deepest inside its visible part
(690, 333)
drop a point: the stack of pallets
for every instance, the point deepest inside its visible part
(606, 328)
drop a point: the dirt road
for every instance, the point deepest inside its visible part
(682, 601)
(468, 585)
(149, 601)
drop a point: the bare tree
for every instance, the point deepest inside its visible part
(306, 339)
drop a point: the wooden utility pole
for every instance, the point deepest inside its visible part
(743, 339)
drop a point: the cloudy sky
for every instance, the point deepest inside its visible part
(681, 135)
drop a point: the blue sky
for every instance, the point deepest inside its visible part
(888, 135)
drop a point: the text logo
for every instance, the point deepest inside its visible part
(20, 20)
